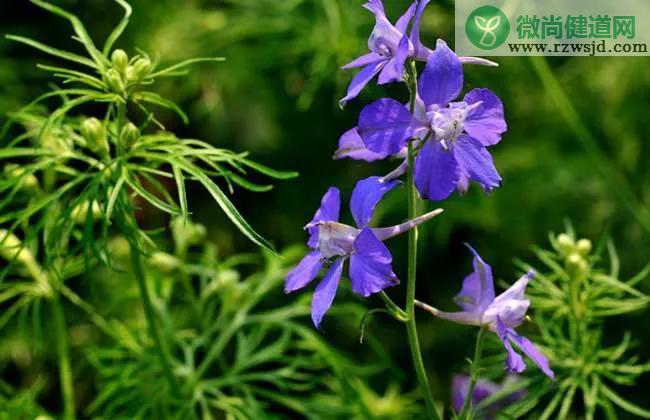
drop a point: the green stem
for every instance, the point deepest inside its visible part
(136, 261)
(121, 122)
(411, 327)
(154, 331)
(476, 365)
(65, 371)
(393, 308)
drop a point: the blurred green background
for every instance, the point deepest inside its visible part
(577, 146)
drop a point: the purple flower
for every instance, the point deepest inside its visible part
(452, 136)
(332, 242)
(500, 314)
(482, 390)
(390, 47)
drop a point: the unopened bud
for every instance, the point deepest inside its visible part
(164, 262)
(130, 135)
(139, 70)
(584, 247)
(11, 248)
(120, 61)
(27, 181)
(196, 234)
(115, 82)
(576, 262)
(565, 243)
(119, 247)
(93, 132)
(187, 232)
(80, 212)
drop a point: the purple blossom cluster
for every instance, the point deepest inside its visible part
(450, 137)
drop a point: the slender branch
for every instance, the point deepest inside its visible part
(65, 371)
(476, 365)
(393, 308)
(411, 326)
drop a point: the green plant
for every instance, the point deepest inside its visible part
(73, 181)
(573, 296)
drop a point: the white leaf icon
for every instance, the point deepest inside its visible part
(493, 23)
(481, 22)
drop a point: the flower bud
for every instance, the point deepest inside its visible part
(565, 243)
(196, 234)
(93, 132)
(115, 82)
(130, 135)
(27, 182)
(80, 212)
(139, 70)
(187, 232)
(164, 262)
(576, 262)
(584, 247)
(11, 248)
(54, 143)
(120, 61)
(119, 247)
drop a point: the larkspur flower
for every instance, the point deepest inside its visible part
(370, 268)
(452, 137)
(482, 390)
(390, 47)
(500, 314)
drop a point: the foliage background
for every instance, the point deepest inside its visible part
(276, 96)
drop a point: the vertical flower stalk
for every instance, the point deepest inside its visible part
(119, 78)
(411, 327)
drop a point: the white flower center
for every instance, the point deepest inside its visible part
(336, 239)
(447, 123)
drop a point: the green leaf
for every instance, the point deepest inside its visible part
(101, 61)
(180, 186)
(154, 98)
(623, 403)
(169, 71)
(117, 189)
(226, 205)
(119, 29)
(150, 198)
(74, 75)
(53, 51)
(268, 171)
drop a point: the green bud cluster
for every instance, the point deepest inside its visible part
(80, 212)
(575, 253)
(139, 70)
(125, 72)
